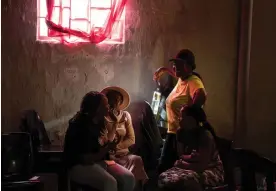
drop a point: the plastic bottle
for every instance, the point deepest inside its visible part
(156, 98)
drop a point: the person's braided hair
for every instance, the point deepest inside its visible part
(200, 116)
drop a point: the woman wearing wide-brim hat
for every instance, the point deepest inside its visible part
(119, 126)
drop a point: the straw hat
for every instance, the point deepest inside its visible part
(126, 98)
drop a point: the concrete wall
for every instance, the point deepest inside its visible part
(261, 107)
(52, 78)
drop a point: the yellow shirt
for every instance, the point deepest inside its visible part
(182, 94)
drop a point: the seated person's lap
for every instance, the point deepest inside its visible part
(101, 176)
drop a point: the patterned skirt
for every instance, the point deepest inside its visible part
(181, 179)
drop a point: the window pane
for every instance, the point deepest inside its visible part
(43, 29)
(117, 30)
(55, 15)
(42, 9)
(56, 3)
(79, 9)
(82, 15)
(66, 3)
(65, 17)
(116, 2)
(99, 17)
(80, 25)
(123, 16)
(100, 3)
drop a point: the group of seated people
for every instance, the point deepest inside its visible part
(97, 141)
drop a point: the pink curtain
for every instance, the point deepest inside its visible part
(95, 36)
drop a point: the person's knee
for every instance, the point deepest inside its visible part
(110, 184)
(128, 180)
(137, 160)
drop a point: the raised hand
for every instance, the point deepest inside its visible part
(194, 154)
(178, 163)
(113, 116)
(112, 145)
(159, 72)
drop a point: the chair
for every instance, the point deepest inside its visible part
(32, 124)
(17, 163)
(44, 162)
(251, 163)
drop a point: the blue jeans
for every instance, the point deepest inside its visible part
(169, 153)
(103, 177)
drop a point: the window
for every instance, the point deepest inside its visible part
(83, 15)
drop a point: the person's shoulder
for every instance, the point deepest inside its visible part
(208, 134)
(73, 129)
(195, 82)
(78, 122)
(194, 78)
(127, 115)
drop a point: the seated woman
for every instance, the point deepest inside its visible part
(86, 149)
(199, 164)
(119, 124)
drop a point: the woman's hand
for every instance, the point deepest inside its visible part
(112, 145)
(113, 116)
(179, 163)
(194, 154)
(159, 72)
(193, 157)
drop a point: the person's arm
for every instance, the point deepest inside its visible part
(160, 71)
(182, 155)
(202, 159)
(97, 156)
(129, 138)
(199, 97)
(197, 92)
(193, 157)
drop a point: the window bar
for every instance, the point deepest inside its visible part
(60, 12)
(89, 16)
(49, 18)
(38, 20)
(70, 19)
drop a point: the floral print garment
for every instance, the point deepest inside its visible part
(176, 178)
(181, 179)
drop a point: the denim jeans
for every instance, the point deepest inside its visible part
(103, 177)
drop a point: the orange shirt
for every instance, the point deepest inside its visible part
(182, 94)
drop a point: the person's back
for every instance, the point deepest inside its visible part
(82, 137)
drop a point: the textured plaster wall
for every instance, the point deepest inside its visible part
(261, 109)
(52, 78)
